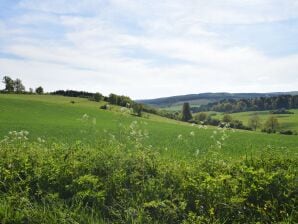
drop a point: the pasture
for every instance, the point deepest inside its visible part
(56, 119)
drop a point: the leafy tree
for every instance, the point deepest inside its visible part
(227, 118)
(30, 90)
(9, 84)
(137, 109)
(39, 90)
(271, 124)
(201, 116)
(254, 121)
(97, 97)
(186, 114)
(18, 86)
(113, 98)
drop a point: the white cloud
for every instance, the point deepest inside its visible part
(174, 51)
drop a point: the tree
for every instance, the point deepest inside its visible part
(9, 84)
(97, 97)
(227, 118)
(254, 121)
(113, 98)
(137, 109)
(30, 90)
(18, 86)
(39, 90)
(186, 114)
(201, 116)
(271, 124)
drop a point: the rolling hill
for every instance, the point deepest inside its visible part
(175, 102)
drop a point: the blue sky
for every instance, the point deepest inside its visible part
(148, 49)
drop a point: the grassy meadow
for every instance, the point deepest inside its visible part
(77, 163)
(55, 119)
(286, 121)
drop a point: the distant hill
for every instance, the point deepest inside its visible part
(175, 102)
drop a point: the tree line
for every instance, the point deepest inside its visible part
(253, 104)
(16, 86)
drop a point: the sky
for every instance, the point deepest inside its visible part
(147, 49)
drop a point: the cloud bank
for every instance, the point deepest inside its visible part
(148, 49)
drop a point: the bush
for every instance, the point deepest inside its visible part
(287, 132)
(281, 111)
(105, 107)
(268, 130)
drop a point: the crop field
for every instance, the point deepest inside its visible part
(286, 121)
(65, 160)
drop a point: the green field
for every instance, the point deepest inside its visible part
(57, 120)
(81, 164)
(286, 121)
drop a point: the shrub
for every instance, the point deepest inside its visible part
(287, 132)
(104, 107)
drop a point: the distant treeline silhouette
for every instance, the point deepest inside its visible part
(253, 104)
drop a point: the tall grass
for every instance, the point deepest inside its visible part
(122, 179)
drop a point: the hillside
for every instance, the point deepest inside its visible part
(175, 102)
(56, 119)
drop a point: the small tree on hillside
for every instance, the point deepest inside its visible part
(201, 116)
(254, 122)
(227, 118)
(137, 109)
(271, 124)
(97, 97)
(186, 114)
(39, 90)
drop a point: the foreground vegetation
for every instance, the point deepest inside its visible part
(125, 181)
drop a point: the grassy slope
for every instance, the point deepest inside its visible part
(56, 119)
(286, 121)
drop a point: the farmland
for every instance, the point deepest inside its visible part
(57, 120)
(65, 160)
(286, 121)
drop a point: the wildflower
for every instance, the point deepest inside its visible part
(180, 136)
(192, 133)
(85, 117)
(123, 109)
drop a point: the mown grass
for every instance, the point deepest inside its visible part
(55, 119)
